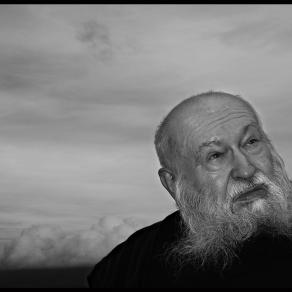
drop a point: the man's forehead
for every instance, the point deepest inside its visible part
(206, 111)
(217, 140)
(196, 120)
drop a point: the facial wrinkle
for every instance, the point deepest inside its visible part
(222, 121)
(220, 116)
(193, 132)
(197, 126)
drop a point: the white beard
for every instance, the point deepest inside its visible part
(214, 233)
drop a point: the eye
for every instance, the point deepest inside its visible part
(214, 156)
(252, 141)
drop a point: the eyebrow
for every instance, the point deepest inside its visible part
(217, 142)
(209, 143)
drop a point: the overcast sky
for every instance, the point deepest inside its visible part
(83, 88)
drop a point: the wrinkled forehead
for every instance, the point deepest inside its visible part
(211, 117)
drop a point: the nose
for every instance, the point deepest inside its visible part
(242, 168)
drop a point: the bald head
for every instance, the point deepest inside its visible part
(191, 114)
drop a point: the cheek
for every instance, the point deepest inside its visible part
(214, 183)
(217, 183)
(264, 162)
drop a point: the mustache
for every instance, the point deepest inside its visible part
(253, 188)
(236, 189)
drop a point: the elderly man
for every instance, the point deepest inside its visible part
(232, 227)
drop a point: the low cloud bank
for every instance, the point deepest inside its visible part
(50, 246)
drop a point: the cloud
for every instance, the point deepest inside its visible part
(17, 17)
(32, 69)
(253, 34)
(97, 37)
(268, 29)
(93, 33)
(50, 246)
(80, 126)
(210, 12)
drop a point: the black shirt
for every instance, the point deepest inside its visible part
(141, 262)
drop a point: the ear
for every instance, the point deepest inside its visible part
(167, 179)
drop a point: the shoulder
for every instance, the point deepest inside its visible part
(129, 257)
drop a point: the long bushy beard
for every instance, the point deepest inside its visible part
(214, 233)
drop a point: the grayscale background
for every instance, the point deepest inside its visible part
(82, 90)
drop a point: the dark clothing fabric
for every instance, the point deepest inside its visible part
(141, 262)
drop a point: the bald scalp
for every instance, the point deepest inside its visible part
(172, 131)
